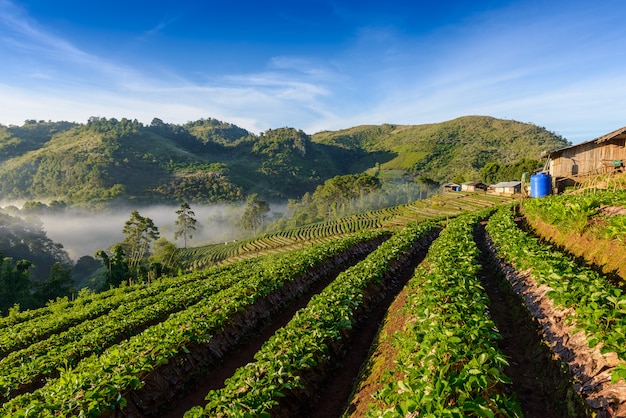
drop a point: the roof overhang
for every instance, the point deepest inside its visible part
(617, 134)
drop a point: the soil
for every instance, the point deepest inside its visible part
(589, 369)
(333, 399)
(380, 359)
(541, 382)
(612, 210)
(606, 256)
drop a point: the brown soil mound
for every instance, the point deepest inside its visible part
(590, 369)
(381, 360)
(612, 210)
(607, 256)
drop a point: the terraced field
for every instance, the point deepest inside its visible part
(448, 204)
(460, 314)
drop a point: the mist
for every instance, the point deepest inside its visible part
(83, 233)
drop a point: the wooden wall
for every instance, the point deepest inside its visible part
(588, 158)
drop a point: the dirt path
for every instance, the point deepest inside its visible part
(542, 385)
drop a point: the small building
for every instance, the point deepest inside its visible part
(605, 154)
(473, 186)
(451, 187)
(507, 188)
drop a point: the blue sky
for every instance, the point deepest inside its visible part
(316, 65)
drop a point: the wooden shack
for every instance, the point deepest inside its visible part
(451, 187)
(473, 186)
(506, 188)
(605, 154)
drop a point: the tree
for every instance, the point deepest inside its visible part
(255, 212)
(59, 284)
(490, 172)
(87, 273)
(458, 178)
(165, 255)
(15, 284)
(25, 239)
(426, 183)
(156, 122)
(185, 223)
(494, 172)
(116, 264)
(335, 196)
(140, 232)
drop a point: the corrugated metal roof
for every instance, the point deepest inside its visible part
(621, 132)
(507, 184)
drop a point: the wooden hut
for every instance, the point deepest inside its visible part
(605, 154)
(506, 188)
(473, 186)
(451, 187)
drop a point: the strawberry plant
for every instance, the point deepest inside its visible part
(570, 212)
(309, 339)
(447, 362)
(599, 307)
(99, 382)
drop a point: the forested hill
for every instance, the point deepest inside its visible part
(213, 161)
(442, 151)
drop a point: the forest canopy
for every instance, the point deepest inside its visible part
(104, 161)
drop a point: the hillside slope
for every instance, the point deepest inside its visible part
(211, 161)
(441, 151)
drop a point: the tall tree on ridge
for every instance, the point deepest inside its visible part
(140, 232)
(255, 212)
(185, 223)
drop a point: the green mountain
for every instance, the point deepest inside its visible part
(441, 151)
(105, 160)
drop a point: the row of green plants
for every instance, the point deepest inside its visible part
(42, 359)
(396, 215)
(100, 382)
(576, 212)
(310, 338)
(599, 307)
(15, 315)
(447, 361)
(209, 255)
(61, 317)
(345, 226)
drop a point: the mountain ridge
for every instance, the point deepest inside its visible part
(209, 161)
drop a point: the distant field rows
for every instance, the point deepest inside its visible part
(449, 204)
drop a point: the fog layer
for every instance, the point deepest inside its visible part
(82, 233)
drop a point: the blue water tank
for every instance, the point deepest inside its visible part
(540, 185)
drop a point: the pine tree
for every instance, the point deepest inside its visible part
(185, 223)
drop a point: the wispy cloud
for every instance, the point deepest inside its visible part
(55, 57)
(26, 37)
